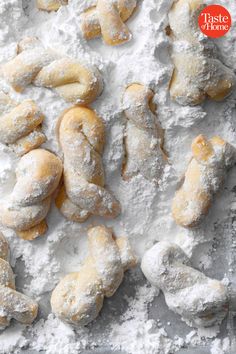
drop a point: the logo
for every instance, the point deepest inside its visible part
(214, 21)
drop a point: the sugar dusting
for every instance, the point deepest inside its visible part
(134, 320)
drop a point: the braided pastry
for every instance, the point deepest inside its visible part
(50, 5)
(199, 300)
(38, 174)
(204, 176)
(73, 81)
(20, 125)
(78, 298)
(144, 135)
(81, 134)
(107, 19)
(198, 72)
(12, 303)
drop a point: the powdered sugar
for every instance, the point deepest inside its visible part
(127, 319)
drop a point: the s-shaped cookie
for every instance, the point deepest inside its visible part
(81, 135)
(108, 19)
(199, 300)
(20, 125)
(78, 298)
(198, 73)
(74, 81)
(12, 303)
(37, 176)
(143, 137)
(204, 176)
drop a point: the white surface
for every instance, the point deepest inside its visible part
(130, 320)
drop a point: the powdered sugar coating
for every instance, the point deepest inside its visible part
(50, 5)
(37, 176)
(134, 320)
(144, 135)
(81, 136)
(200, 301)
(107, 18)
(75, 82)
(204, 177)
(12, 303)
(78, 298)
(198, 72)
(20, 124)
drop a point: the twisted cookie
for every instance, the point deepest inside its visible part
(20, 125)
(204, 176)
(72, 80)
(199, 300)
(198, 72)
(78, 298)
(38, 174)
(50, 5)
(81, 135)
(144, 135)
(12, 303)
(107, 19)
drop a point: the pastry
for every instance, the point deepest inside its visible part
(37, 176)
(198, 73)
(204, 176)
(50, 5)
(75, 82)
(81, 135)
(144, 136)
(199, 300)
(108, 19)
(78, 298)
(20, 125)
(12, 303)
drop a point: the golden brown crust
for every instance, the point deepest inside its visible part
(12, 303)
(20, 125)
(143, 137)
(33, 232)
(75, 82)
(38, 174)
(50, 5)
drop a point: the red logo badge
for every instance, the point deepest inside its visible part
(214, 21)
